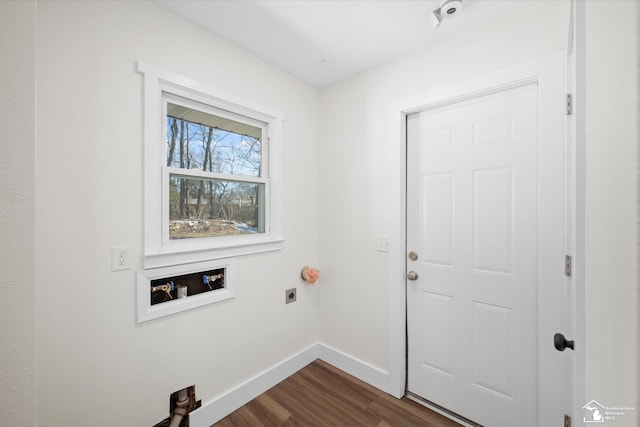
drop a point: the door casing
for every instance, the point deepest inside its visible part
(544, 71)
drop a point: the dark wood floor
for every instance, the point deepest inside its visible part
(322, 395)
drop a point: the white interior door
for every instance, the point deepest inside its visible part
(482, 211)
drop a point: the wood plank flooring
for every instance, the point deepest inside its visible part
(323, 396)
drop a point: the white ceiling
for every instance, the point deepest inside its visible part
(324, 41)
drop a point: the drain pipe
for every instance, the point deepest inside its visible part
(181, 408)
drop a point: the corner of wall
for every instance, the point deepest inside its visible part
(18, 388)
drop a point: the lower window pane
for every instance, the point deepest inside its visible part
(209, 208)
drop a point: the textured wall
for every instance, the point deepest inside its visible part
(17, 253)
(90, 350)
(612, 205)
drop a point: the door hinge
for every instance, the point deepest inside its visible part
(567, 265)
(567, 420)
(569, 104)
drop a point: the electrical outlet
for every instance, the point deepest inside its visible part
(120, 258)
(290, 295)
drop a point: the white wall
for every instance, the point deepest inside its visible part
(612, 122)
(96, 366)
(354, 191)
(353, 297)
(17, 253)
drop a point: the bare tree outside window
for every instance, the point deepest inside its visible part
(214, 204)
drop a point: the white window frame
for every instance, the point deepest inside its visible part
(159, 251)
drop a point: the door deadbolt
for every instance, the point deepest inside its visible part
(412, 275)
(413, 256)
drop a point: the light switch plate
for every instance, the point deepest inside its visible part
(383, 243)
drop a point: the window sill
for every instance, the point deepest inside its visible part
(187, 256)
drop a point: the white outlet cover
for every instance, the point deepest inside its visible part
(120, 258)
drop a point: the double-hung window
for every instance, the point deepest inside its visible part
(211, 172)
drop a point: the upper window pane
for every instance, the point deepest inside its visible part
(200, 140)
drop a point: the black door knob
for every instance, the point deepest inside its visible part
(560, 342)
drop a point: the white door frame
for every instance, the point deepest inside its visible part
(533, 70)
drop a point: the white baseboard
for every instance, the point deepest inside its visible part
(221, 406)
(362, 370)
